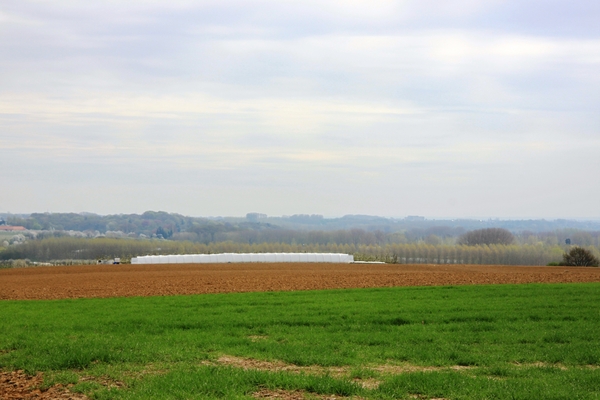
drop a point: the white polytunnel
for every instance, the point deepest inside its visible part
(245, 258)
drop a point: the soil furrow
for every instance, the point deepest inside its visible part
(173, 279)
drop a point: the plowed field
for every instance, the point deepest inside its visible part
(171, 279)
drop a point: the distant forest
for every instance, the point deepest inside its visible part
(301, 228)
(65, 236)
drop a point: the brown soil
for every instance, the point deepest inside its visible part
(172, 279)
(294, 395)
(337, 372)
(261, 365)
(18, 385)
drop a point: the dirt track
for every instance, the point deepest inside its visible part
(170, 279)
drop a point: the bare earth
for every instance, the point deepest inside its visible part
(172, 279)
(18, 385)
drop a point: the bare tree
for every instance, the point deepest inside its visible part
(487, 236)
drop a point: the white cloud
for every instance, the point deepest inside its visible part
(387, 95)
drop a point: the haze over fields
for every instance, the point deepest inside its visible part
(437, 108)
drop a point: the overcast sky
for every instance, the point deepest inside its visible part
(454, 108)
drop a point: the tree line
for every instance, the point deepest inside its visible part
(257, 228)
(409, 253)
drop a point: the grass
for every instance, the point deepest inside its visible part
(514, 342)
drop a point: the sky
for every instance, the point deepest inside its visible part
(454, 108)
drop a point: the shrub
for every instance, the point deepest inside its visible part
(580, 257)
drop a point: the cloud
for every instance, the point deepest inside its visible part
(238, 96)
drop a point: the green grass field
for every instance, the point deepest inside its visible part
(494, 342)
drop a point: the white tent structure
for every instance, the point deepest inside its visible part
(245, 258)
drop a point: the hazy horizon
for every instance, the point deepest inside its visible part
(384, 108)
(429, 218)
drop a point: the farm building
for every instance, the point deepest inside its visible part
(8, 228)
(245, 258)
